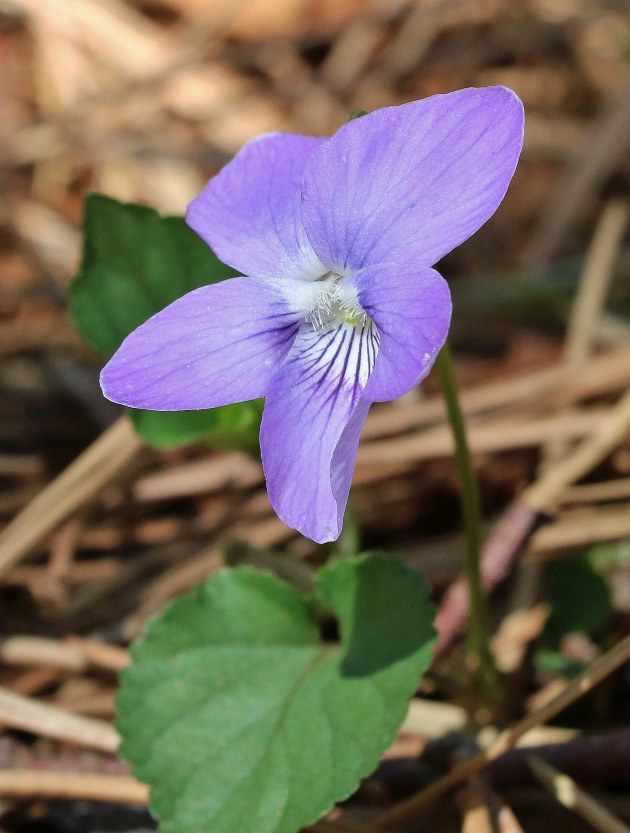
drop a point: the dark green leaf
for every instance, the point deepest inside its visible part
(136, 262)
(555, 663)
(230, 427)
(356, 113)
(579, 598)
(242, 719)
(607, 557)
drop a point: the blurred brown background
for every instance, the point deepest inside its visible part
(144, 101)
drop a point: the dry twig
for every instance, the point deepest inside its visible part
(593, 674)
(74, 487)
(574, 798)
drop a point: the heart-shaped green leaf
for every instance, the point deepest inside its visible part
(135, 263)
(242, 719)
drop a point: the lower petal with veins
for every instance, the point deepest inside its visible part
(311, 425)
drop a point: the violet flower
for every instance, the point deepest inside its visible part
(340, 307)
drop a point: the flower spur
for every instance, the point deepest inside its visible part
(339, 306)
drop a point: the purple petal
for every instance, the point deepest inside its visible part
(412, 311)
(249, 214)
(411, 182)
(214, 346)
(311, 424)
(342, 464)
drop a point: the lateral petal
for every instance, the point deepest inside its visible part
(414, 181)
(249, 213)
(311, 424)
(412, 311)
(216, 345)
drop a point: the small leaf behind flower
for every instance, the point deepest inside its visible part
(356, 113)
(135, 263)
(229, 427)
(241, 718)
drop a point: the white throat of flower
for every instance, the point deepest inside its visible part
(336, 333)
(330, 302)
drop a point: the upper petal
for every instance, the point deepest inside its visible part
(412, 181)
(311, 425)
(216, 345)
(249, 213)
(412, 311)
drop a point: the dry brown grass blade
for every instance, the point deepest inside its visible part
(74, 487)
(486, 438)
(39, 651)
(565, 383)
(74, 654)
(21, 465)
(574, 798)
(200, 477)
(580, 529)
(26, 714)
(590, 298)
(595, 281)
(593, 674)
(602, 492)
(73, 786)
(544, 495)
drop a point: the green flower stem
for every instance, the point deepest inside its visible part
(480, 656)
(349, 542)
